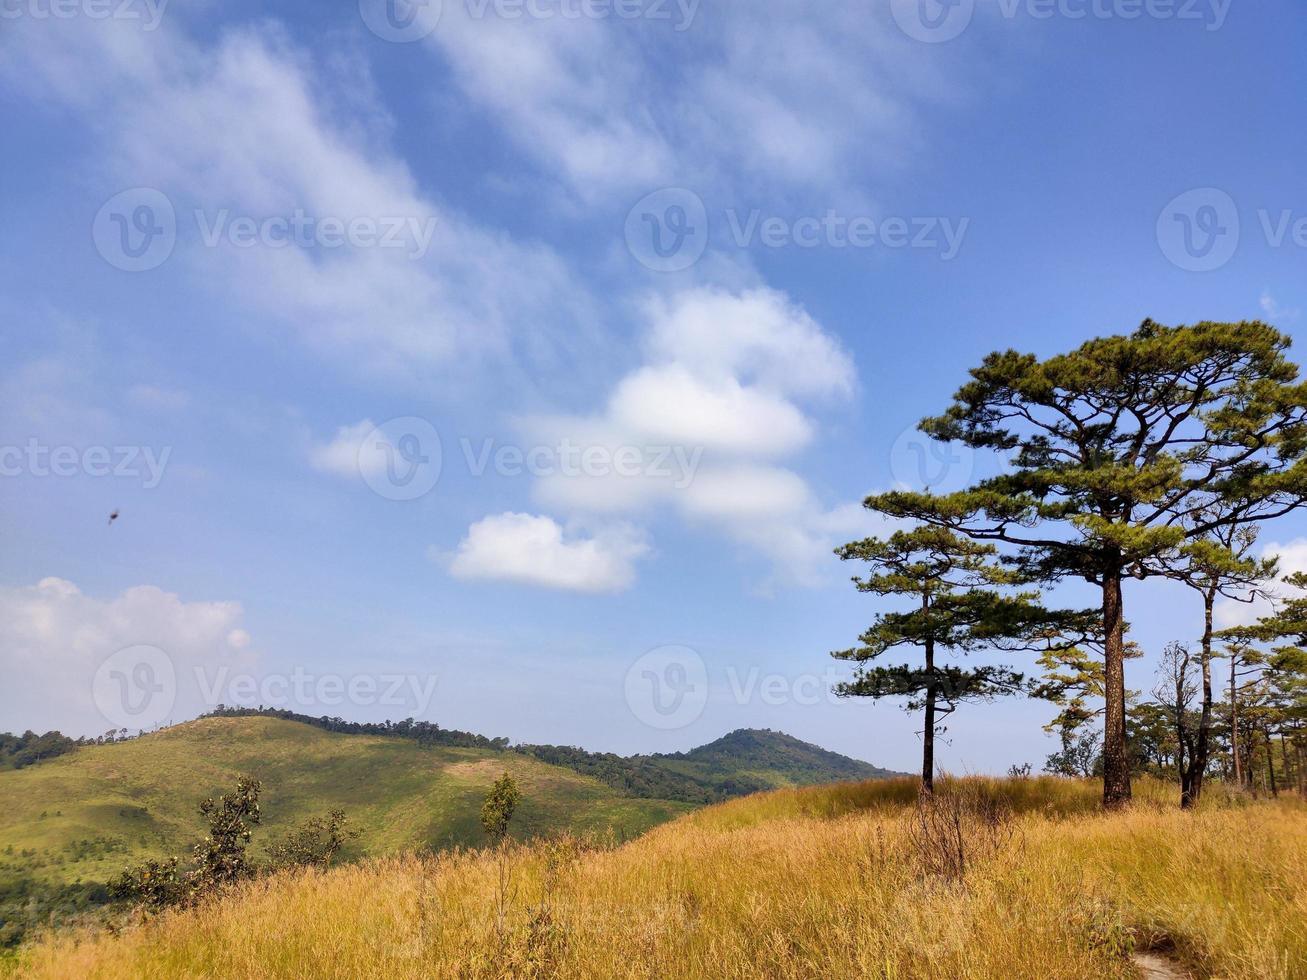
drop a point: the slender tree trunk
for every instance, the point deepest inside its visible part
(1116, 764)
(928, 736)
(1198, 763)
(1270, 765)
(1300, 780)
(1234, 725)
(1180, 737)
(1284, 756)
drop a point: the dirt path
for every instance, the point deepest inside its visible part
(1154, 966)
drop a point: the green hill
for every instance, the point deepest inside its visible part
(70, 823)
(773, 758)
(745, 761)
(85, 815)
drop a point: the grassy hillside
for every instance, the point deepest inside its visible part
(85, 815)
(839, 881)
(71, 823)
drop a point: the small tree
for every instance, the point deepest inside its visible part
(954, 586)
(497, 810)
(314, 843)
(1281, 671)
(220, 857)
(1218, 565)
(1175, 691)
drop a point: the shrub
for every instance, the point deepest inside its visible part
(498, 808)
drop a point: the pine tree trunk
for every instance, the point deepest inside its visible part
(1270, 765)
(1234, 725)
(1284, 755)
(928, 737)
(1302, 770)
(1116, 764)
(1193, 783)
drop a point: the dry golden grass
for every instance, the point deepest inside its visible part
(817, 883)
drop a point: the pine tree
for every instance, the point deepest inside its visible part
(1219, 565)
(1124, 448)
(953, 585)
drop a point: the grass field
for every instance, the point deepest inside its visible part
(830, 882)
(86, 815)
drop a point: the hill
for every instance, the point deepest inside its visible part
(68, 824)
(745, 761)
(87, 813)
(774, 885)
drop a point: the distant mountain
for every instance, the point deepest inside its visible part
(748, 760)
(777, 757)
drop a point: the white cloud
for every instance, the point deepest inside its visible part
(669, 403)
(746, 493)
(719, 400)
(1271, 307)
(532, 550)
(54, 638)
(756, 335)
(1292, 557)
(342, 456)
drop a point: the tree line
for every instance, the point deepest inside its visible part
(1152, 455)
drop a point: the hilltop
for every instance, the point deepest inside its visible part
(748, 760)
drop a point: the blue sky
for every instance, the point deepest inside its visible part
(731, 251)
